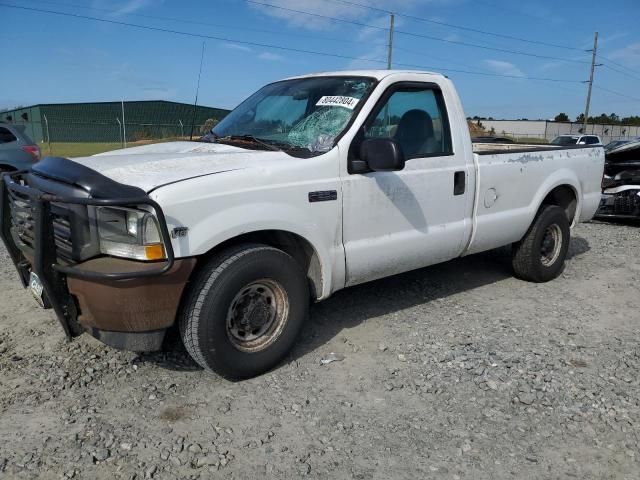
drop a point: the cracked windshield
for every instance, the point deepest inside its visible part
(306, 113)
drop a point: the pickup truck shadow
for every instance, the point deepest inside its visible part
(355, 305)
(628, 222)
(403, 198)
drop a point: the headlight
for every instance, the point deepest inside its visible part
(129, 233)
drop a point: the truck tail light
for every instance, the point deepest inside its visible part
(33, 150)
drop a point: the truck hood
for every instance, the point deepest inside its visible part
(151, 166)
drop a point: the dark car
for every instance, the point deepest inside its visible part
(17, 150)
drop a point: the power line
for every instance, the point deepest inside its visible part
(195, 22)
(620, 71)
(423, 55)
(317, 15)
(187, 34)
(495, 49)
(206, 24)
(451, 25)
(617, 93)
(620, 65)
(490, 74)
(512, 11)
(417, 35)
(411, 52)
(277, 47)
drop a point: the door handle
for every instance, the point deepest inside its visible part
(459, 182)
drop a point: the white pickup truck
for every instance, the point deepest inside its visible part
(311, 185)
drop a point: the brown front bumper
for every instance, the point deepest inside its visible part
(142, 304)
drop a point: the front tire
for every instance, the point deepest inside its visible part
(244, 310)
(540, 255)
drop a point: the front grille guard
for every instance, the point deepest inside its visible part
(44, 254)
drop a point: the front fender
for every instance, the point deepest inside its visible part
(214, 219)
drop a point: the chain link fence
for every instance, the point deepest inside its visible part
(543, 130)
(74, 138)
(78, 129)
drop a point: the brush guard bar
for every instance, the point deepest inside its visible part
(44, 264)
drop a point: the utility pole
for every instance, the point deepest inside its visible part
(120, 132)
(195, 103)
(593, 67)
(124, 125)
(46, 123)
(390, 51)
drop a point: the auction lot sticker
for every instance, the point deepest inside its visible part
(338, 101)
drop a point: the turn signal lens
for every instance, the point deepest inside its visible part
(154, 252)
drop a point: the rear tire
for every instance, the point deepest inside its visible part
(244, 310)
(540, 255)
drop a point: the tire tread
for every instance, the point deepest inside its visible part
(201, 285)
(525, 250)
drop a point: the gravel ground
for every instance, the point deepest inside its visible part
(457, 371)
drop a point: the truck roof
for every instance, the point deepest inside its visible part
(378, 74)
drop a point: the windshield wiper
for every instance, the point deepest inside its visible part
(271, 145)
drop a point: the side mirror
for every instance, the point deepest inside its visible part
(382, 154)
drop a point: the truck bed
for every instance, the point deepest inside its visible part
(511, 182)
(492, 148)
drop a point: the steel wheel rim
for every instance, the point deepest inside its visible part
(551, 245)
(257, 315)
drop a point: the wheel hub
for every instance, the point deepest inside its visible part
(253, 312)
(551, 245)
(257, 315)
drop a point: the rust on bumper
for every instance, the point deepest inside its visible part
(130, 305)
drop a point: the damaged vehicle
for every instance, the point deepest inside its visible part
(621, 182)
(311, 185)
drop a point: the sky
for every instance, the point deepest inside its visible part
(56, 58)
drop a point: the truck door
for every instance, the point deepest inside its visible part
(421, 215)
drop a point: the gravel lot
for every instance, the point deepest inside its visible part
(457, 371)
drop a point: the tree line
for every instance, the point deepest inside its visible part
(603, 118)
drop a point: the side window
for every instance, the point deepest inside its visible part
(6, 136)
(416, 118)
(592, 140)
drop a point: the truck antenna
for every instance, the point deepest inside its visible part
(390, 49)
(195, 103)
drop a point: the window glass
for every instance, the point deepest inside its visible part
(307, 113)
(416, 119)
(565, 140)
(6, 136)
(592, 140)
(284, 111)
